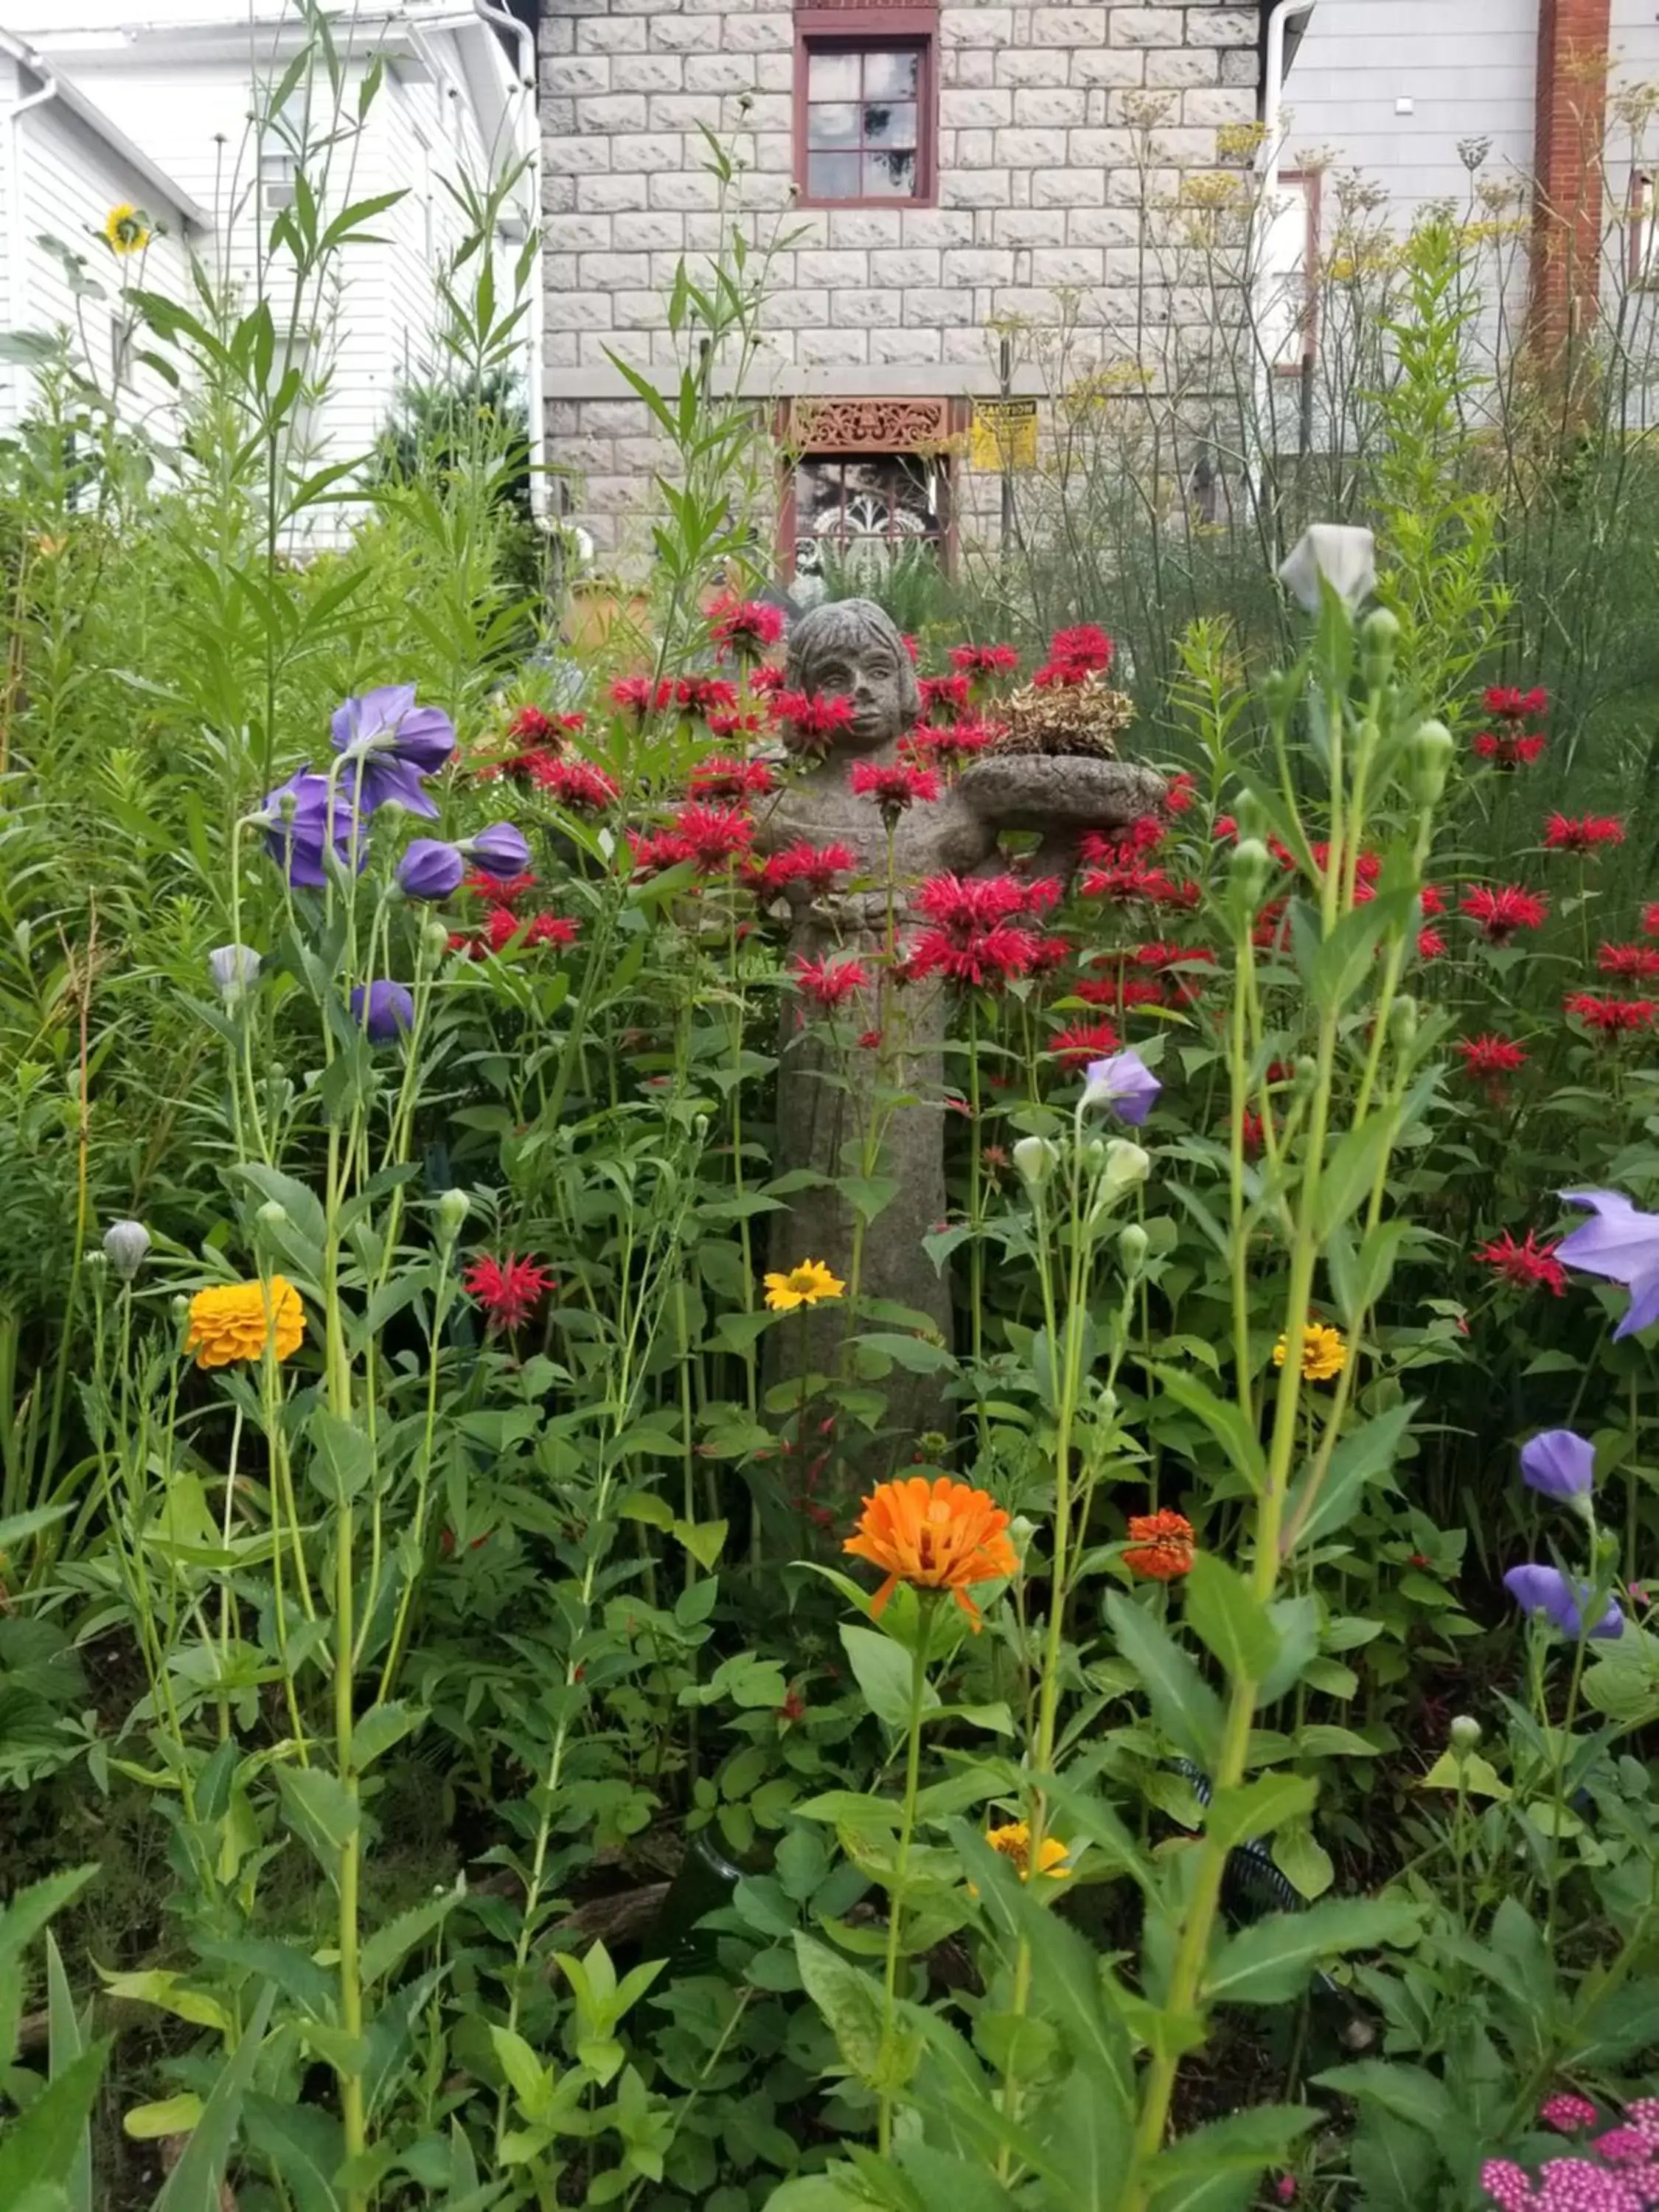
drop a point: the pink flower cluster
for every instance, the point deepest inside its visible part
(1621, 2176)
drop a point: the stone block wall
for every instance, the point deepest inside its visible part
(1060, 127)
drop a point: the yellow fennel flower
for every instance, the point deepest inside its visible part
(126, 228)
(1324, 1352)
(233, 1321)
(1014, 1843)
(804, 1284)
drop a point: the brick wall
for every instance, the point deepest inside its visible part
(1060, 128)
(1572, 59)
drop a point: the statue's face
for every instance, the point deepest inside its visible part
(868, 673)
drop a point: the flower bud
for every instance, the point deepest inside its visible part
(1402, 1022)
(1249, 871)
(180, 1311)
(1126, 1166)
(1341, 554)
(1037, 1158)
(95, 1261)
(453, 1209)
(271, 1219)
(234, 969)
(1305, 1077)
(1131, 1247)
(1428, 760)
(1380, 631)
(125, 1243)
(1464, 1735)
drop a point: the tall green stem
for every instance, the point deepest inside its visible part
(902, 1868)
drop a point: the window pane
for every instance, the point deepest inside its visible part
(890, 126)
(889, 176)
(832, 124)
(832, 77)
(888, 74)
(832, 176)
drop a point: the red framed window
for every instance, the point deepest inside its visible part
(866, 107)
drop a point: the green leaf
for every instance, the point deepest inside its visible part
(388, 1947)
(524, 2070)
(1254, 1809)
(193, 2184)
(1218, 2164)
(1474, 1775)
(1409, 2092)
(1350, 1171)
(1269, 1963)
(379, 1728)
(66, 2044)
(883, 1669)
(1225, 1421)
(849, 2000)
(174, 2116)
(704, 1539)
(645, 1506)
(1225, 1615)
(1184, 1706)
(170, 1993)
(20, 1924)
(320, 1810)
(41, 2146)
(1303, 1861)
(1365, 1456)
(343, 1460)
(917, 1355)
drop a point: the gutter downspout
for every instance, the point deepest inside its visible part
(17, 237)
(497, 19)
(1271, 158)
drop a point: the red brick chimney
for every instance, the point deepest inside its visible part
(1573, 91)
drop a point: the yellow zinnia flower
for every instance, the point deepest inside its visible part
(126, 228)
(233, 1321)
(1014, 1843)
(1324, 1352)
(804, 1285)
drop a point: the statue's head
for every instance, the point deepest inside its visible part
(850, 648)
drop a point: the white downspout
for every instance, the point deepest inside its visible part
(1271, 158)
(497, 19)
(17, 231)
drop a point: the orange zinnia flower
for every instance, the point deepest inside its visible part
(939, 1536)
(1161, 1545)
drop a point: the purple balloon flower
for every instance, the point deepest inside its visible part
(296, 821)
(385, 1010)
(430, 869)
(1545, 1589)
(1623, 1245)
(1124, 1083)
(1559, 1463)
(392, 744)
(501, 851)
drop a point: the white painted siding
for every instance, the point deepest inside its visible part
(1467, 69)
(71, 178)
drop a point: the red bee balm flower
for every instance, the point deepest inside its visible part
(985, 957)
(1526, 1265)
(1563, 833)
(723, 778)
(508, 1290)
(984, 659)
(1612, 1016)
(1500, 913)
(1083, 1041)
(747, 628)
(714, 836)
(1628, 960)
(575, 784)
(1506, 751)
(894, 786)
(829, 984)
(949, 692)
(811, 723)
(1083, 647)
(1650, 920)
(1491, 1055)
(1510, 705)
(817, 866)
(948, 747)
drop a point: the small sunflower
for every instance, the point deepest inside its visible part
(126, 228)
(235, 1321)
(1324, 1352)
(1014, 1842)
(806, 1284)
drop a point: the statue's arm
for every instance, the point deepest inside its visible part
(1058, 795)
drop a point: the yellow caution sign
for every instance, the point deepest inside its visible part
(1005, 435)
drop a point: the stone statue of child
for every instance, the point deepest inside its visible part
(851, 648)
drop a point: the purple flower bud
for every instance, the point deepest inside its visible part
(501, 851)
(1543, 1589)
(430, 869)
(1124, 1083)
(392, 743)
(385, 1010)
(1559, 1464)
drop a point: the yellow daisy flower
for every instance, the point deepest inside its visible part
(804, 1284)
(126, 228)
(233, 1321)
(1014, 1843)
(1324, 1352)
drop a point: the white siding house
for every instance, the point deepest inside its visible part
(450, 103)
(64, 166)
